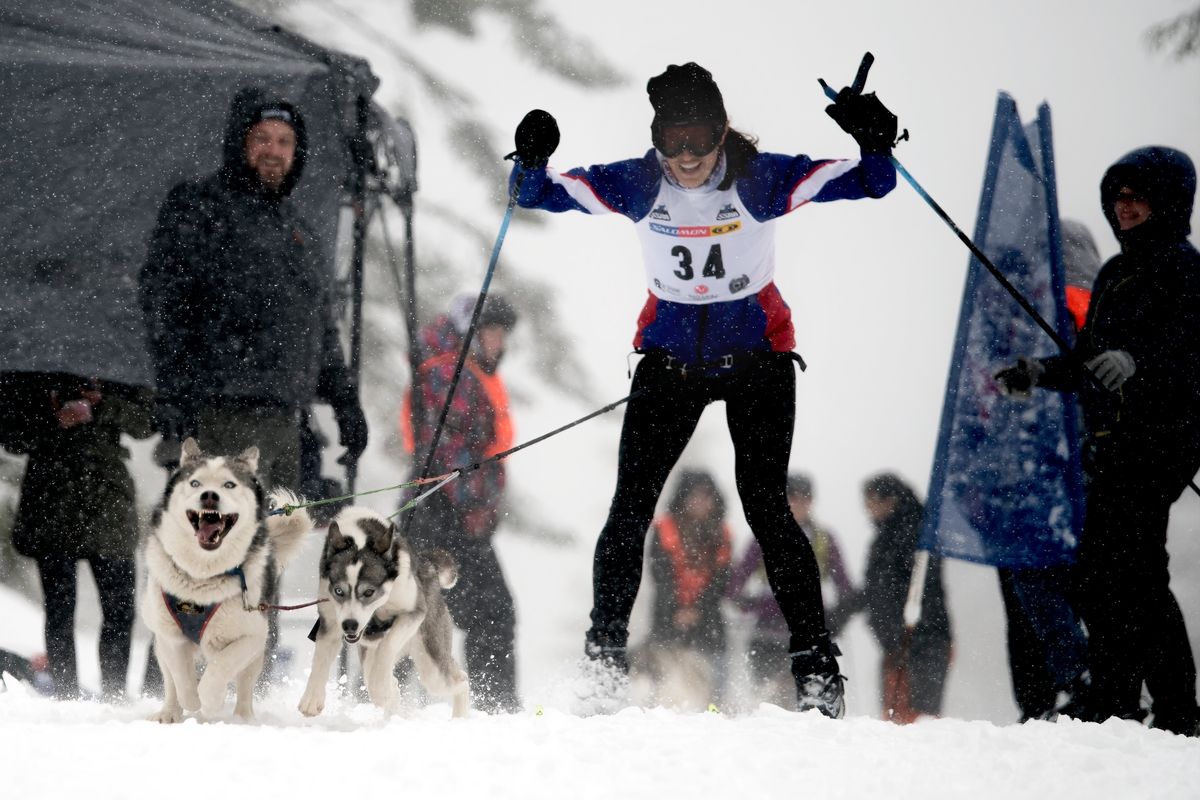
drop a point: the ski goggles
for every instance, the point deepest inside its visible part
(699, 139)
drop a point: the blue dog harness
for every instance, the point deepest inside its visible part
(193, 618)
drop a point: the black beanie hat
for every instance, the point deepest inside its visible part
(685, 94)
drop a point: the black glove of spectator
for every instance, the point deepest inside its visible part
(536, 139)
(865, 118)
(1019, 379)
(352, 430)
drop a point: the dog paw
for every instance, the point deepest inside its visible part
(312, 703)
(212, 706)
(167, 716)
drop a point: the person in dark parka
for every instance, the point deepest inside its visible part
(78, 503)
(238, 306)
(915, 661)
(1136, 366)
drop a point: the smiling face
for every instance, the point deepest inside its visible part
(271, 151)
(1130, 208)
(691, 151)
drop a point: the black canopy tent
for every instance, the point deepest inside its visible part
(106, 104)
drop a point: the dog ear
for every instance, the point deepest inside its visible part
(380, 538)
(190, 451)
(335, 541)
(249, 457)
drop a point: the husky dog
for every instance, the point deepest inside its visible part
(381, 595)
(207, 558)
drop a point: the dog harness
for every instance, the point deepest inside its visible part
(193, 618)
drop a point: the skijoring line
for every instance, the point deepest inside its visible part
(288, 508)
(444, 479)
(441, 480)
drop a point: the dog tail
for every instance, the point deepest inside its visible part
(287, 531)
(444, 566)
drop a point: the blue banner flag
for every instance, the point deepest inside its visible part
(1006, 487)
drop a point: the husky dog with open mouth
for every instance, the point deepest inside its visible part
(208, 556)
(378, 593)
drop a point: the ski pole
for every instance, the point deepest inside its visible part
(470, 333)
(860, 80)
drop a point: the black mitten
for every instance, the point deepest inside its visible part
(865, 118)
(536, 139)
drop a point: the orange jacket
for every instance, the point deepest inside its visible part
(690, 579)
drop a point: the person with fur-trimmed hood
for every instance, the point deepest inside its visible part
(238, 306)
(1135, 368)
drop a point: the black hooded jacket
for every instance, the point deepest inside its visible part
(1146, 301)
(890, 561)
(235, 298)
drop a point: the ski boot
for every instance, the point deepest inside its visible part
(602, 686)
(819, 685)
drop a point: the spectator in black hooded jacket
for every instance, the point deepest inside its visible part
(1136, 365)
(238, 308)
(915, 660)
(238, 305)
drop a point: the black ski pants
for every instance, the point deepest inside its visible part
(116, 583)
(1136, 631)
(760, 407)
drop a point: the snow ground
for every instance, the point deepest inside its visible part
(86, 749)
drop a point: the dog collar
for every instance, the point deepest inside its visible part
(237, 572)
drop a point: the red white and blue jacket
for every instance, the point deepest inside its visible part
(709, 253)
